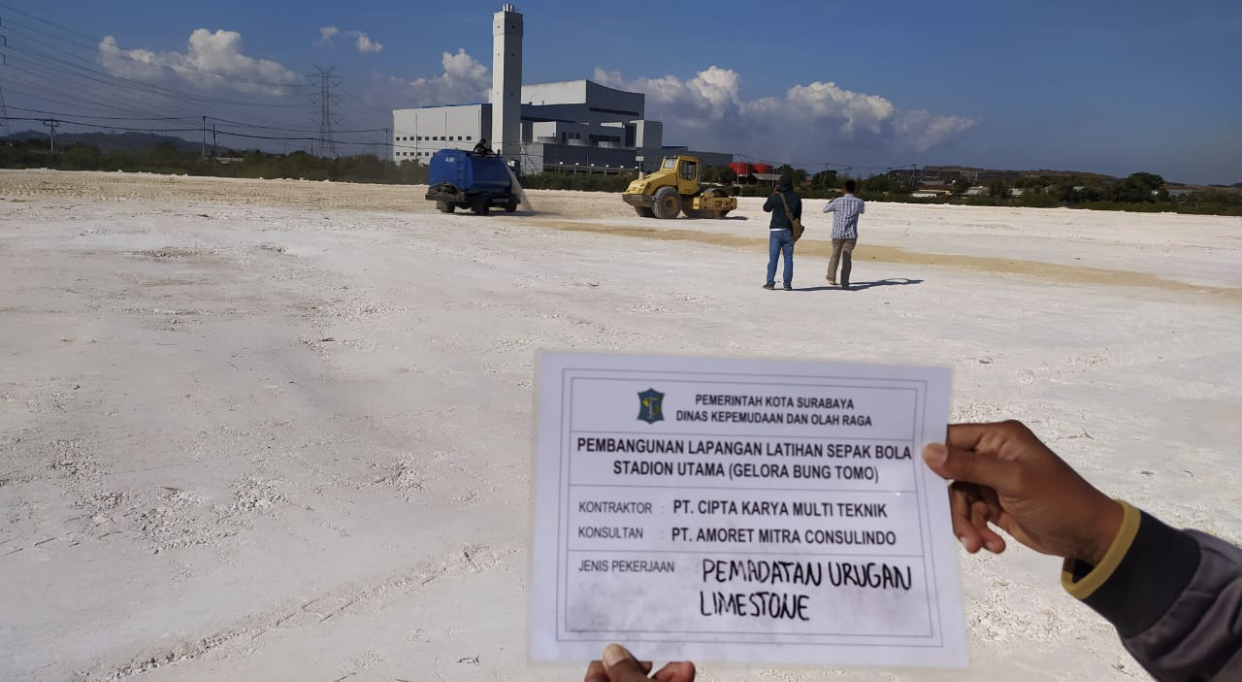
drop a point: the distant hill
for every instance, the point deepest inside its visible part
(990, 172)
(110, 142)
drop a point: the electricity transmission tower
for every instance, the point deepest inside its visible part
(321, 97)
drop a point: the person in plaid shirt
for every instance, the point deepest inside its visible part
(845, 210)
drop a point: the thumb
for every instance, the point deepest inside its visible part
(969, 466)
(621, 665)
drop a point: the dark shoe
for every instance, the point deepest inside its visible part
(845, 287)
(769, 286)
(788, 287)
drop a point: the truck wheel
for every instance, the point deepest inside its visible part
(480, 204)
(445, 207)
(667, 203)
(696, 213)
(511, 206)
(644, 212)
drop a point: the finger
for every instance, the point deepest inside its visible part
(958, 464)
(990, 437)
(996, 517)
(959, 510)
(681, 671)
(645, 665)
(980, 514)
(935, 454)
(596, 673)
(969, 436)
(621, 665)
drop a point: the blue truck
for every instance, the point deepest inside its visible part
(462, 179)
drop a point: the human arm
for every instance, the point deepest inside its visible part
(619, 665)
(830, 206)
(1174, 597)
(770, 203)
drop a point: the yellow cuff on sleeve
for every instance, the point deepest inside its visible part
(1112, 558)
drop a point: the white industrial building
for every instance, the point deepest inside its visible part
(571, 126)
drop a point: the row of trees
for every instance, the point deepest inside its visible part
(166, 158)
(1138, 192)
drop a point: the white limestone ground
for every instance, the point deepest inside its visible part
(281, 430)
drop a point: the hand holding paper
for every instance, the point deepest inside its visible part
(619, 665)
(1006, 476)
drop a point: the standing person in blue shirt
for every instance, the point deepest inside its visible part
(845, 210)
(782, 204)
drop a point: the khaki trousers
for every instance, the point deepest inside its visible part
(842, 252)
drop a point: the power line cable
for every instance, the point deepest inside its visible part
(106, 118)
(92, 72)
(180, 68)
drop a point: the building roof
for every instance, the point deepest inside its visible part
(445, 106)
(572, 92)
(584, 82)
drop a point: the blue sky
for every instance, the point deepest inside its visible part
(1112, 87)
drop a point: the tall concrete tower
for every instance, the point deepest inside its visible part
(507, 82)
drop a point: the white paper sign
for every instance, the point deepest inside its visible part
(745, 511)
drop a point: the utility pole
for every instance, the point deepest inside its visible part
(4, 61)
(51, 124)
(204, 137)
(215, 150)
(324, 80)
(4, 113)
(386, 148)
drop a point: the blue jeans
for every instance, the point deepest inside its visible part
(780, 241)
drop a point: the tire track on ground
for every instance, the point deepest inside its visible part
(341, 602)
(1046, 272)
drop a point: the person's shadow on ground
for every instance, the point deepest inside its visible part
(859, 286)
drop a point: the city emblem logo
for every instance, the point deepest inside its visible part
(651, 406)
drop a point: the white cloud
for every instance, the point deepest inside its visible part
(211, 60)
(921, 130)
(365, 44)
(464, 80)
(851, 111)
(362, 41)
(326, 34)
(709, 111)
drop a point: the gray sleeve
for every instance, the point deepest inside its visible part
(1201, 632)
(1175, 598)
(1232, 669)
